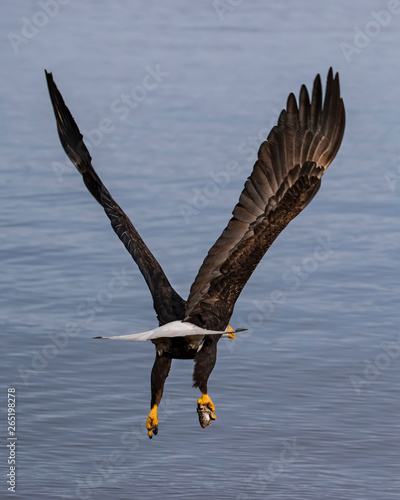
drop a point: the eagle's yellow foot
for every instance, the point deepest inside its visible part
(152, 422)
(205, 410)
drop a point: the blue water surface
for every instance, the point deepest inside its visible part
(308, 398)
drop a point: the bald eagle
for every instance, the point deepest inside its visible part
(285, 178)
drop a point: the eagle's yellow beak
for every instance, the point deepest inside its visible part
(231, 331)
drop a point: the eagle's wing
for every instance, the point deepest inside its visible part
(285, 178)
(168, 305)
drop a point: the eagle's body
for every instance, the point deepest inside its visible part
(285, 178)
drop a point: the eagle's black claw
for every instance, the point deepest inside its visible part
(152, 422)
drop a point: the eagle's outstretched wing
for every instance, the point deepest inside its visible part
(169, 306)
(285, 178)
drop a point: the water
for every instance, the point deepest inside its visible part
(301, 414)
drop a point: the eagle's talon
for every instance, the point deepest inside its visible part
(205, 410)
(152, 422)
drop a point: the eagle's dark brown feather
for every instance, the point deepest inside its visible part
(169, 306)
(285, 178)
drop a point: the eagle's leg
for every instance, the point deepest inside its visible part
(204, 363)
(159, 373)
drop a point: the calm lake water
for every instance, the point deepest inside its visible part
(308, 399)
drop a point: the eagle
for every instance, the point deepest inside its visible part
(285, 178)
